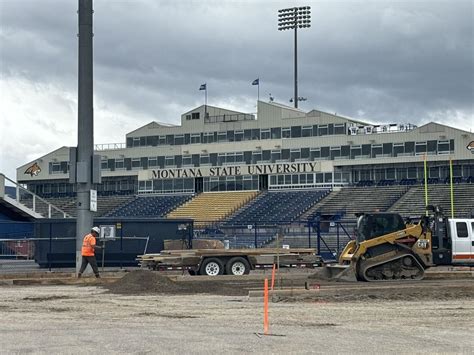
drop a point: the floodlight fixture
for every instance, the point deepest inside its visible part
(291, 19)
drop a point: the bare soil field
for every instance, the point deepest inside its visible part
(435, 317)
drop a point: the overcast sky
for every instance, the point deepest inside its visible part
(380, 61)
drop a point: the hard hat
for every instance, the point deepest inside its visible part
(96, 230)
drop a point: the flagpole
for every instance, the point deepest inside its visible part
(258, 91)
(205, 102)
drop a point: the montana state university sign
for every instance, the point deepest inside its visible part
(235, 170)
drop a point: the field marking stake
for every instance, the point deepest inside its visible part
(265, 307)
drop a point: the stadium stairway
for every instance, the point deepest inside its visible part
(350, 200)
(210, 207)
(413, 202)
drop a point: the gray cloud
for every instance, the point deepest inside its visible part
(384, 61)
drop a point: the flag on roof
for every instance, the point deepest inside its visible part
(202, 87)
(256, 81)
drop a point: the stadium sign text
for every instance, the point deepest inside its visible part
(237, 170)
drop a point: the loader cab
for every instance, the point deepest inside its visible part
(373, 225)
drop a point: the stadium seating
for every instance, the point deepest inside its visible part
(413, 202)
(277, 207)
(149, 206)
(105, 204)
(351, 200)
(210, 207)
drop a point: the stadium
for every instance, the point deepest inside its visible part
(278, 149)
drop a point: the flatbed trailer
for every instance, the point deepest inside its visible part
(213, 262)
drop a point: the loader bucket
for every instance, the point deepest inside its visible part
(335, 273)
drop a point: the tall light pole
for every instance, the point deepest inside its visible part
(292, 19)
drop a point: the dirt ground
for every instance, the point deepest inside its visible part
(424, 318)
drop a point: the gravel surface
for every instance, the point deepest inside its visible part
(77, 319)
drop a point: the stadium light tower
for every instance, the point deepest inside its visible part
(292, 19)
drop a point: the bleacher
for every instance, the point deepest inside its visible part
(277, 207)
(413, 202)
(149, 206)
(210, 207)
(350, 200)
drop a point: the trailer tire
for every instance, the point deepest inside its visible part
(237, 266)
(211, 267)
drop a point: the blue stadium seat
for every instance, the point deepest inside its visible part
(150, 206)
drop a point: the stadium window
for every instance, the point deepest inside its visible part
(281, 179)
(323, 130)
(169, 161)
(208, 137)
(443, 147)
(306, 131)
(339, 128)
(335, 152)
(161, 140)
(230, 158)
(119, 164)
(276, 133)
(247, 134)
(239, 157)
(275, 155)
(325, 152)
(273, 179)
(238, 136)
(204, 159)
(187, 160)
(265, 133)
(377, 149)
(152, 162)
(295, 154)
(195, 138)
(47, 188)
(302, 178)
(431, 146)
(314, 153)
(222, 136)
(104, 164)
(409, 148)
(136, 163)
(296, 132)
(195, 115)
(309, 178)
(420, 147)
(188, 117)
(256, 134)
(169, 139)
(136, 141)
(398, 148)
(55, 168)
(294, 179)
(142, 141)
(390, 173)
(256, 156)
(434, 172)
(230, 136)
(221, 159)
(286, 132)
(411, 173)
(179, 139)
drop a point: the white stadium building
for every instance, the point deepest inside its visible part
(216, 149)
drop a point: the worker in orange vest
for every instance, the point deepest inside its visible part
(88, 252)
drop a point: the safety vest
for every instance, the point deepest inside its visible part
(88, 245)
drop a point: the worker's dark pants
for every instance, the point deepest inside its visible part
(89, 260)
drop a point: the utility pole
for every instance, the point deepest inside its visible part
(81, 172)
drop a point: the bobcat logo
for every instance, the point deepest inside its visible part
(470, 147)
(33, 170)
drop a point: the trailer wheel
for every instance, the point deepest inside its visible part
(237, 266)
(212, 267)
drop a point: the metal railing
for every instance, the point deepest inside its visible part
(109, 146)
(25, 199)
